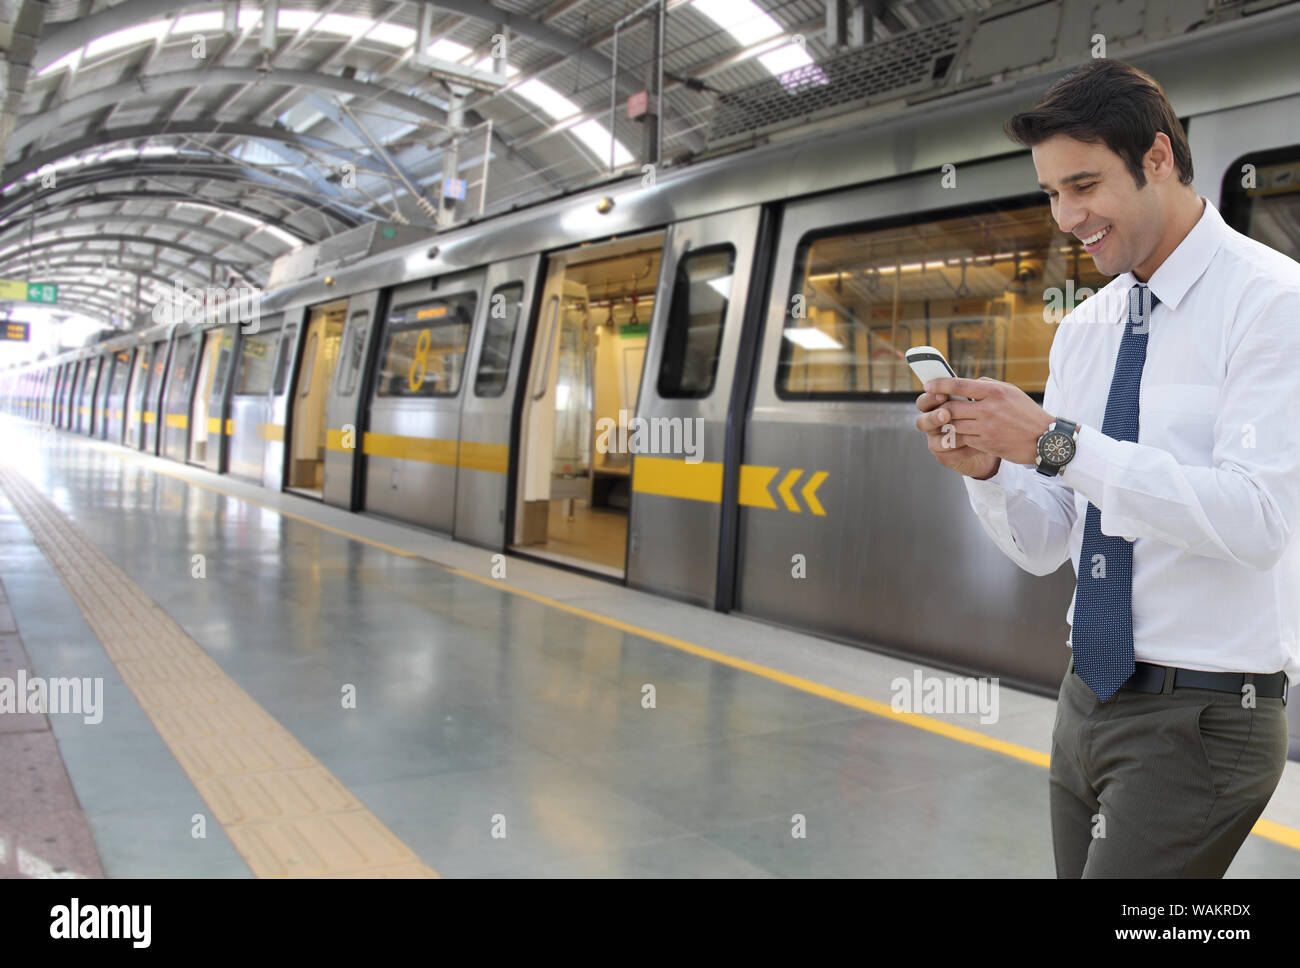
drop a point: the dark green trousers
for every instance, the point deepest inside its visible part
(1159, 785)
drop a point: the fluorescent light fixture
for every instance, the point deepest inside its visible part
(811, 338)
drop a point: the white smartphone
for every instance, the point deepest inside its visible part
(929, 364)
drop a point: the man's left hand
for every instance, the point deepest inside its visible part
(999, 419)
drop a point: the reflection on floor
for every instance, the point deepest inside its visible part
(595, 536)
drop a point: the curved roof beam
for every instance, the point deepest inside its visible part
(94, 101)
(117, 220)
(101, 198)
(227, 174)
(18, 263)
(62, 39)
(131, 239)
(256, 132)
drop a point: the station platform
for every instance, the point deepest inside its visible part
(329, 694)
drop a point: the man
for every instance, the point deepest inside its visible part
(1165, 465)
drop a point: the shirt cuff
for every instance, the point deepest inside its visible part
(1095, 454)
(991, 487)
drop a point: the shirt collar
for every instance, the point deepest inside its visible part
(1185, 264)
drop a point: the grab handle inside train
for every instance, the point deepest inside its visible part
(544, 374)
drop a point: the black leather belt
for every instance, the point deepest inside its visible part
(1151, 678)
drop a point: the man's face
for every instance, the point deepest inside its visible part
(1092, 190)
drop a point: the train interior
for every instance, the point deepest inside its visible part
(320, 353)
(587, 361)
(970, 287)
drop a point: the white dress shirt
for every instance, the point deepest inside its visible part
(1210, 493)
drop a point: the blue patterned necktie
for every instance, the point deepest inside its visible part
(1102, 633)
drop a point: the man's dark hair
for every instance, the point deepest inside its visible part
(1111, 102)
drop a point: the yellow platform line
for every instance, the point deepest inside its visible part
(1268, 829)
(285, 813)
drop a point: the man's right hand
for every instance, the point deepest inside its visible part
(950, 449)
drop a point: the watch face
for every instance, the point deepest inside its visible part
(1058, 448)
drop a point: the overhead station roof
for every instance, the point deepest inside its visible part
(156, 140)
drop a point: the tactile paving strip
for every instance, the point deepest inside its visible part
(285, 813)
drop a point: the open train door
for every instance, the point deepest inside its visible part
(343, 413)
(681, 416)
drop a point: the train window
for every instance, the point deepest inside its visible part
(424, 347)
(695, 318)
(354, 355)
(498, 340)
(256, 363)
(282, 361)
(1267, 206)
(985, 286)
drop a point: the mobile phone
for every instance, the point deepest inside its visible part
(929, 364)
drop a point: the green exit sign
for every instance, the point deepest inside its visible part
(37, 292)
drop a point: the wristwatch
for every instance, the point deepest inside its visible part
(1056, 447)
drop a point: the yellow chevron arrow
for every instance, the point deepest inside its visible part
(784, 490)
(809, 492)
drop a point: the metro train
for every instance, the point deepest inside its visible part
(458, 382)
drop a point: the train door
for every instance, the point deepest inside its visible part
(133, 433)
(115, 408)
(218, 416)
(177, 394)
(320, 350)
(250, 400)
(343, 412)
(272, 431)
(89, 380)
(200, 430)
(483, 464)
(680, 427)
(68, 416)
(572, 497)
(152, 419)
(413, 418)
(100, 413)
(60, 377)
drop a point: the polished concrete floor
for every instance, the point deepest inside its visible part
(499, 727)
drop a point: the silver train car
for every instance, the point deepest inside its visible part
(748, 314)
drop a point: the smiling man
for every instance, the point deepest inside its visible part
(1164, 465)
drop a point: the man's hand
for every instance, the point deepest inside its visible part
(999, 420)
(949, 448)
